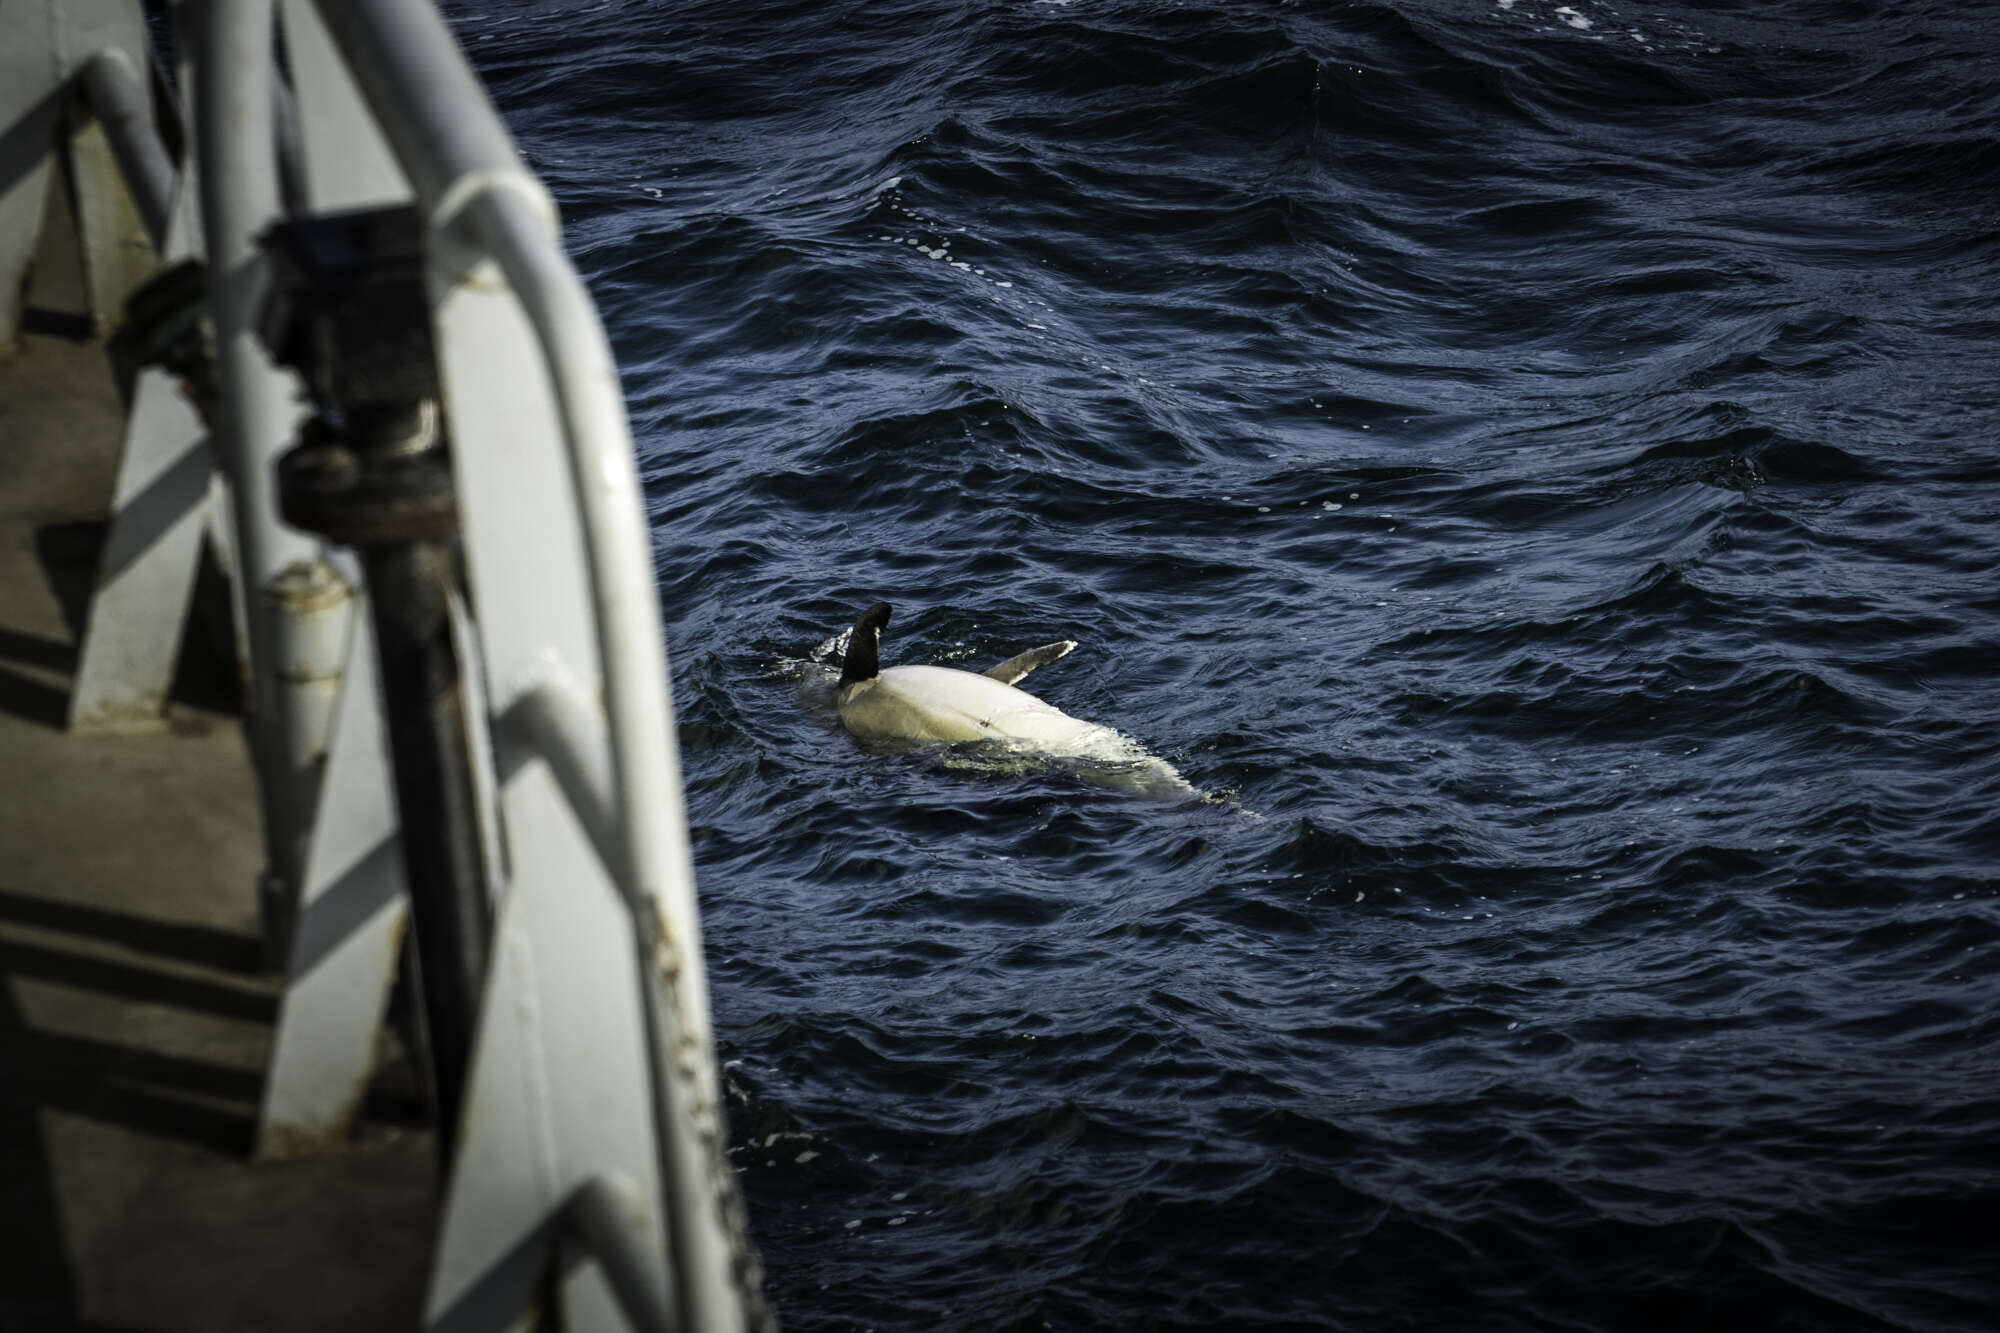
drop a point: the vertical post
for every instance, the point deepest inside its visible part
(423, 695)
(352, 896)
(347, 308)
(239, 197)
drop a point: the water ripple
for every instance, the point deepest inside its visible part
(1527, 459)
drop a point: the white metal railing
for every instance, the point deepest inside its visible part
(593, 1112)
(117, 92)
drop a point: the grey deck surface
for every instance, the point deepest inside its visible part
(135, 1019)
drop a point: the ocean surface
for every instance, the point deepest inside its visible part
(1535, 468)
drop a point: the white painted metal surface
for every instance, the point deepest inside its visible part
(351, 903)
(560, 1032)
(117, 90)
(559, 1090)
(41, 47)
(153, 548)
(239, 200)
(346, 939)
(311, 604)
(556, 723)
(468, 179)
(347, 163)
(593, 1075)
(561, 1036)
(118, 251)
(147, 571)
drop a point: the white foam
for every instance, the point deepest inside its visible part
(1571, 17)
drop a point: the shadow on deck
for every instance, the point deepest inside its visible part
(135, 1019)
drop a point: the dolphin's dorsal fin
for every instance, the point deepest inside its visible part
(1020, 664)
(864, 646)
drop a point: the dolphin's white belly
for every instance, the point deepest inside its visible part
(930, 703)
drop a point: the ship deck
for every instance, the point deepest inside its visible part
(136, 1012)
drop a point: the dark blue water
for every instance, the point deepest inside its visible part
(1540, 460)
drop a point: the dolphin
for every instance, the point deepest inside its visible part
(934, 703)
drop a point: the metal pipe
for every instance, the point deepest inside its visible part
(313, 607)
(463, 167)
(596, 1218)
(653, 853)
(118, 99)
(238, 201)
(553, 723)
(423, 698)
(450, 143)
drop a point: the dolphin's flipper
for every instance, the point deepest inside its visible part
(1020, 664)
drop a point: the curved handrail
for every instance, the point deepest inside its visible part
(614, 761)
(592, 1219)
(239, 200)
(461, 163)
(464, 169)
(551, 723)
(117, 98)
